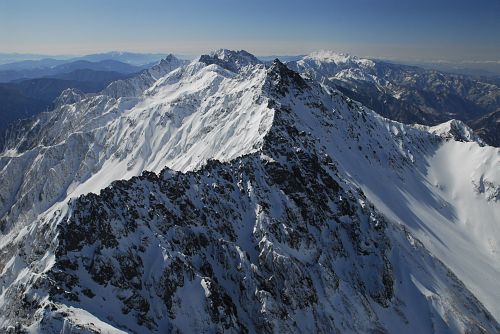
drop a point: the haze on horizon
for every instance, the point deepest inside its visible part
(425, 30)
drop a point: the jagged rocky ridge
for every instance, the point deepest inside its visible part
(278, 238)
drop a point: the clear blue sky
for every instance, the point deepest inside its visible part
(400, 29)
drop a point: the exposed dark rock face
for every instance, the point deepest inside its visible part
(221, 225)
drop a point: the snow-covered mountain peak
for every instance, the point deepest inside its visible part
(281, 78)
(241, 55)
(338, 58)
(136, 85)
(456, 130)
(231, 60)
(169, 58)
(69, 96)
(166, 65)
(227, 196)
(329, 65)
(329, 55)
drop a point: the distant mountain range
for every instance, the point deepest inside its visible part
(407, 94)
(472, 68)
(24, 98)
(38, 60)
(50, 67)
(14, 105)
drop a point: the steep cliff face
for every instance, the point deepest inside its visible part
(296, 228)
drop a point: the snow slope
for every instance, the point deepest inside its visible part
(320, 216)
(445, 191)
(182, 120)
